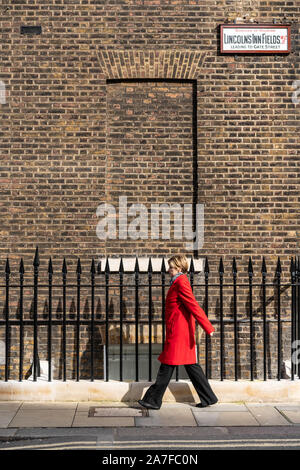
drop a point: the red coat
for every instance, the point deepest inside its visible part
(180, 313)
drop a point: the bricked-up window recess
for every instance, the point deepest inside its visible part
(152, 130)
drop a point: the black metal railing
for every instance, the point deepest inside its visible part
(292, 288)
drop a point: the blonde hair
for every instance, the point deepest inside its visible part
(180, 262)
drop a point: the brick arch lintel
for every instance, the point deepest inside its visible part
(167, 64)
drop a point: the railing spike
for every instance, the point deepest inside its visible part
(121, 267)
(36, 260)
(150, 270)
(64, 268)
(136, 267)
(7, 268)
(250, 267)
(107, 270)
(221, 267)
(192, 268)
(278, 267)
(50, 268)
(234, 268)
(78, 269)
(21, 269)
(264, 267)
(206, 267)
(93, 270)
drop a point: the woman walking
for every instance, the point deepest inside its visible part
(179, 349)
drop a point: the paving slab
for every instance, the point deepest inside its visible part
(42, 418)
(6, 417)
(10, 405)
(224, 418)
(48, 405)
(178, 405)
(82, 419)
(287, 407)
(222, 407)
(292, 415)
(168, 415)
(267, 415)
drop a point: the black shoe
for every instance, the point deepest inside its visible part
(201, 405)
(145, 404)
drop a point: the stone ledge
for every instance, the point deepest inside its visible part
(227, 391)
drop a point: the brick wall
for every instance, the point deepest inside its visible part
(70, 140)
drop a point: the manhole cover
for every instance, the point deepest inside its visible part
(116, 411)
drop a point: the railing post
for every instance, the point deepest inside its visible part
(136, 277)
(121, 273)
(78, 272)
(221, 273)
(106, 317)
(234, 274)
(64, 273)
(35, 315)
(93, 271)
(7, 273)
(207, 337)
(278, 273)
(50, 274)
(21, 271)
(264, 274)
(192, 272)
(293, 316)
(163, 282)
(150, 318)
(297, 306)
(250, 274)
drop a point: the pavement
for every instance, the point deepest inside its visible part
(60, 425)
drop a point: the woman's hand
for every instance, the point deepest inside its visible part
(211, 334)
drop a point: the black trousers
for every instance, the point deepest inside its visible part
(155, 392)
